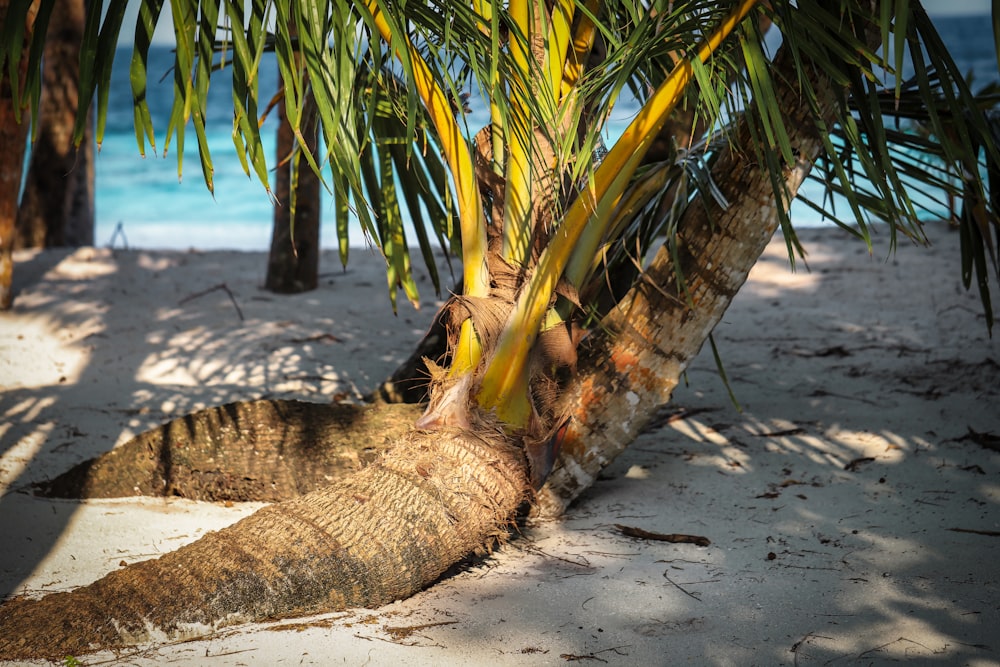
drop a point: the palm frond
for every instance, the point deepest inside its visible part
(903, 141)
(385, 134)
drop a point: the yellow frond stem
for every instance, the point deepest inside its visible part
(553, 318)
(583, 42)
(506, 394)
(519, 177)
(453, 145)
(612, 176)
(557, 52)
(497, 135)
(517, 198)
(585, 259)
(485, 9)
(468, 351)
(496, 396)
(514, 409)
(625, 156)
(519, 12)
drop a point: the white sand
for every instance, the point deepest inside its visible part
(810, 563)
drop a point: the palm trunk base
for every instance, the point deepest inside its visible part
(380, 535)
(265, 450)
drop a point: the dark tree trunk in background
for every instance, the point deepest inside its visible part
(293, 263)
(57, 206)
(13, 136)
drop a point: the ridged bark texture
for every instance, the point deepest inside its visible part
(266, 450)
(378, 536)
(13, 140)
(634, 359)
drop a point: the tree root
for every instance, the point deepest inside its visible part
(378, 535)
(263, 450)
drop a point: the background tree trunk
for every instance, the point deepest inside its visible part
(293, 263)
(57, 206)
(13, 137)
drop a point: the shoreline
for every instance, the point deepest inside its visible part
(838, 503)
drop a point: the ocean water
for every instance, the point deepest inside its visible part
(145, 201)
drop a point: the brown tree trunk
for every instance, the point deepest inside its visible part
(631, 364)
(378, 536)
(13, 138)
(57, 206)
(293, 263)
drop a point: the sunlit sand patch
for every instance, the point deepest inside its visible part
(990, 490)
(44, 354)
(637, 472)
(158, 262)
(773, 275)
(15, 458)
(85, 264)
(727, 457)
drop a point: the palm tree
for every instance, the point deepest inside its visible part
(293, 262)
(17, 31)
(590, 276)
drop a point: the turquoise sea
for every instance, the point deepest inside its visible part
(157, 210)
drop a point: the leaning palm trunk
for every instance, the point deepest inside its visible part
(632, 363)
(57, 206)
(381, 535)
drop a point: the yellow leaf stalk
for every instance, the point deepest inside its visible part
(485, 9)
(544, 88)
(517, 192)
(475, 272)
(583, 42)
(585, 261)
(557, 45)
(453, 145)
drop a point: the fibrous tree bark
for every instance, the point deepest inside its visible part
(378, 536)
(57, 206)
(266, 450)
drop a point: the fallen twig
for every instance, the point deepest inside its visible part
(677, 538)
(399, 633)
(855, 465)
(672, 415)
(681, 588)
(220, 286)
(882, 647)
(570, 657)
(797, 646)
(988, 533)
(983, 439)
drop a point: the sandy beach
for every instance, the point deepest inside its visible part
(852, 506)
